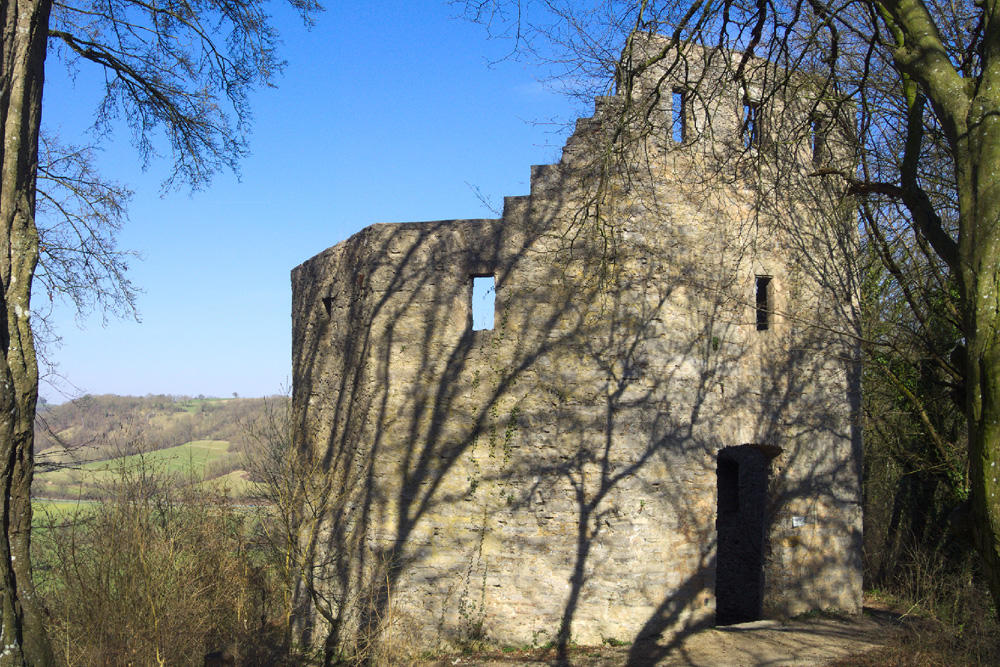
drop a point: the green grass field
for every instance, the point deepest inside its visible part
(234, 485)
(185, 464)
(48, 512)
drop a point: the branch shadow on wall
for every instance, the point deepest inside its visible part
(572, 453)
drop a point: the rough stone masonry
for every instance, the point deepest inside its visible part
(659, 430)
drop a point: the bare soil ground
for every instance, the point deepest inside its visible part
(808, 642)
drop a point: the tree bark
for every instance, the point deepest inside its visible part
(23, 639)
(968, 110)
(979, 275)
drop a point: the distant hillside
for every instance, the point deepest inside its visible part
(77, 442)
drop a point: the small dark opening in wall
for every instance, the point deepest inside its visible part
(763, 303)
(327, 304)
(818, 139)
(751, 123)
(484, 295)
(679, 111)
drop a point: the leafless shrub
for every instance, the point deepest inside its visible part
(946, 609)
(154, 575)
(301, 503)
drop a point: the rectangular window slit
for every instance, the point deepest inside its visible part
(484, 296)
(818, 137)
(678, 125)
(751, 123)
(764, 305)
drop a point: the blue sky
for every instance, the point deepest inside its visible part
(387, 112)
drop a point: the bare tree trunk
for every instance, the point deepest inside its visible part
(984, 452)
(25, 23)
(968, 110)
(979, 274)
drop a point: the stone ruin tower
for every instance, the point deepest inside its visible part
(656, 425)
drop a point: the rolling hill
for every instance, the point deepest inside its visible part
(85, 446)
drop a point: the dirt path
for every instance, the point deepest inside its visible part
(803, 643)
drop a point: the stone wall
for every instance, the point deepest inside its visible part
(559, 475)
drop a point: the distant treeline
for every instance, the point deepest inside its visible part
(161, 421)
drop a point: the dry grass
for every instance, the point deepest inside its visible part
(928, 641)
(921, 650)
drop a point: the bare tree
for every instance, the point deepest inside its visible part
(80, 214)
(299, 499)
(177, 68)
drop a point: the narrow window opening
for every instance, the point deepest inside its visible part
(818, 138)
(751, 123)
(484, 295)
(764, 306)
(327, 305)
(679, 110)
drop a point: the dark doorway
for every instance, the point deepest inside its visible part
(741, 525)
